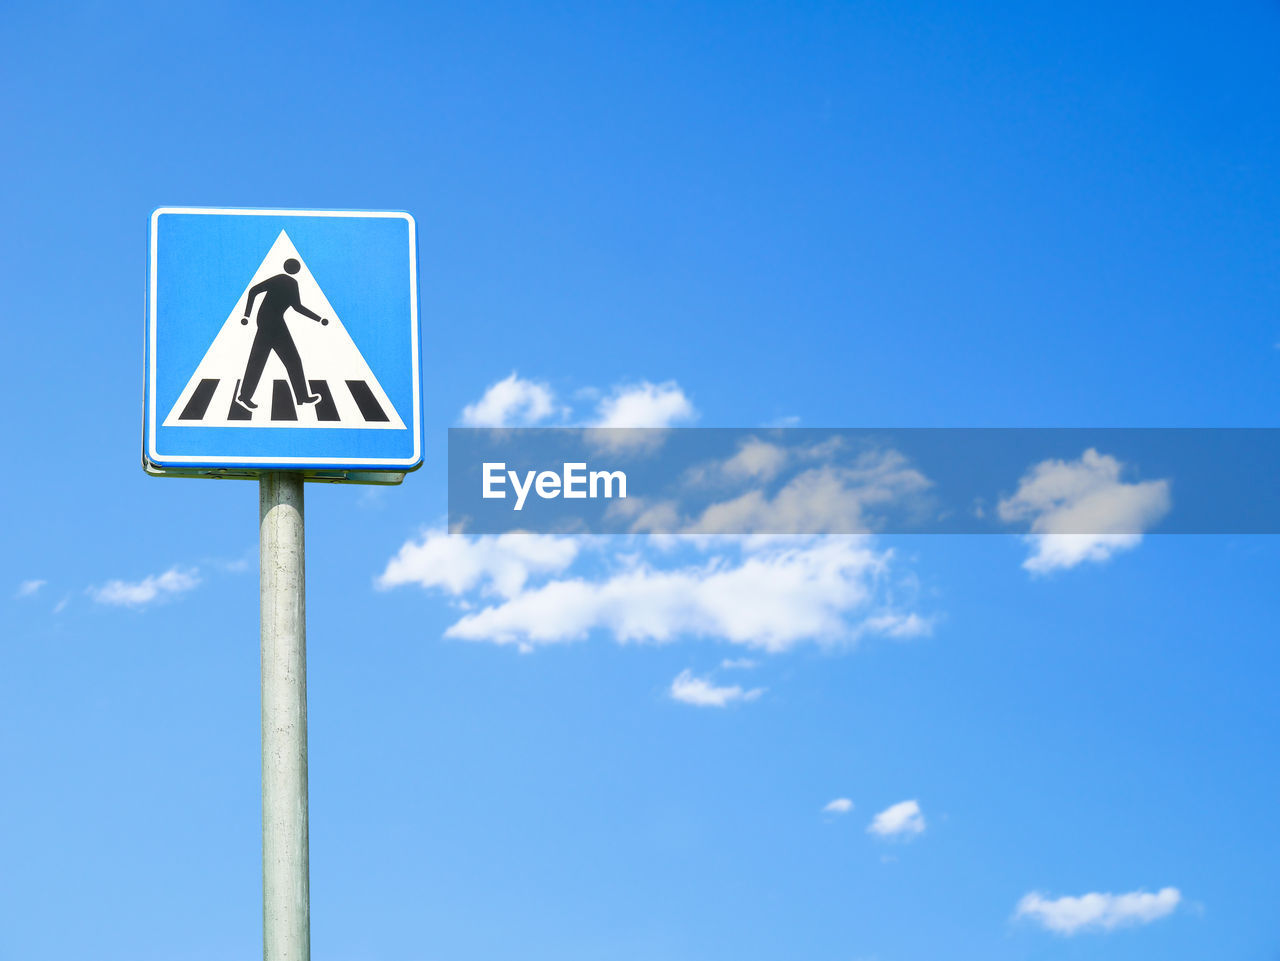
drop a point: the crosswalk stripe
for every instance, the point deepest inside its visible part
(199, 402)
(282, 401)
(326, 409)
(370, 409)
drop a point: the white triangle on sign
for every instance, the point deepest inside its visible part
(350, 396)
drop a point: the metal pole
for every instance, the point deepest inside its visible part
(286, 910)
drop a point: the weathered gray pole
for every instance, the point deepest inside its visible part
(286, 910)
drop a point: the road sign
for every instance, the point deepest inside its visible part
(282, 340)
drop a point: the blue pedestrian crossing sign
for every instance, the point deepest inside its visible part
(282, 340)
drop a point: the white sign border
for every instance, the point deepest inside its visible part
(370, 463)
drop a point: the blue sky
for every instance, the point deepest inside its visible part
(723, 215)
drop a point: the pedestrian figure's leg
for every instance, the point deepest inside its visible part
(258, 355)
(287, 351)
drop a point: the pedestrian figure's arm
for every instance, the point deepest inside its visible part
(300, 308)
(253, 292)
(306, 312)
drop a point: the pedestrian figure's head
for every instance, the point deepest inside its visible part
(291, 266)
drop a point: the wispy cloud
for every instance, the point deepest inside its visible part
(701, 692)
(841, 805)
(239, 565)
(901, 820)
(457, 564)
(645, 405)
(512, 402)
(1097, 911)
(766, 488)
(770, 596)
(29, 588)
(1062, 498)
(516, 401)
(899, 625)
(153, 588)
(756, 459)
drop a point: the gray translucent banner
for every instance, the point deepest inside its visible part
(1078, 481)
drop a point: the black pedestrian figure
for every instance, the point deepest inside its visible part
(279, 294)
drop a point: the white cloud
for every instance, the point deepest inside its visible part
(899, 625)
(738, 664)
(841, 805)
(1096, 911)
(28, 588)
(701, 692)
(140, 593)
(645, 405)
(1082, 511)
(517, 402)
(773, 597)
(457, 563)
(903, 819)
(756, 459)
(827, 499)
(512, 401)
(244, 563)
